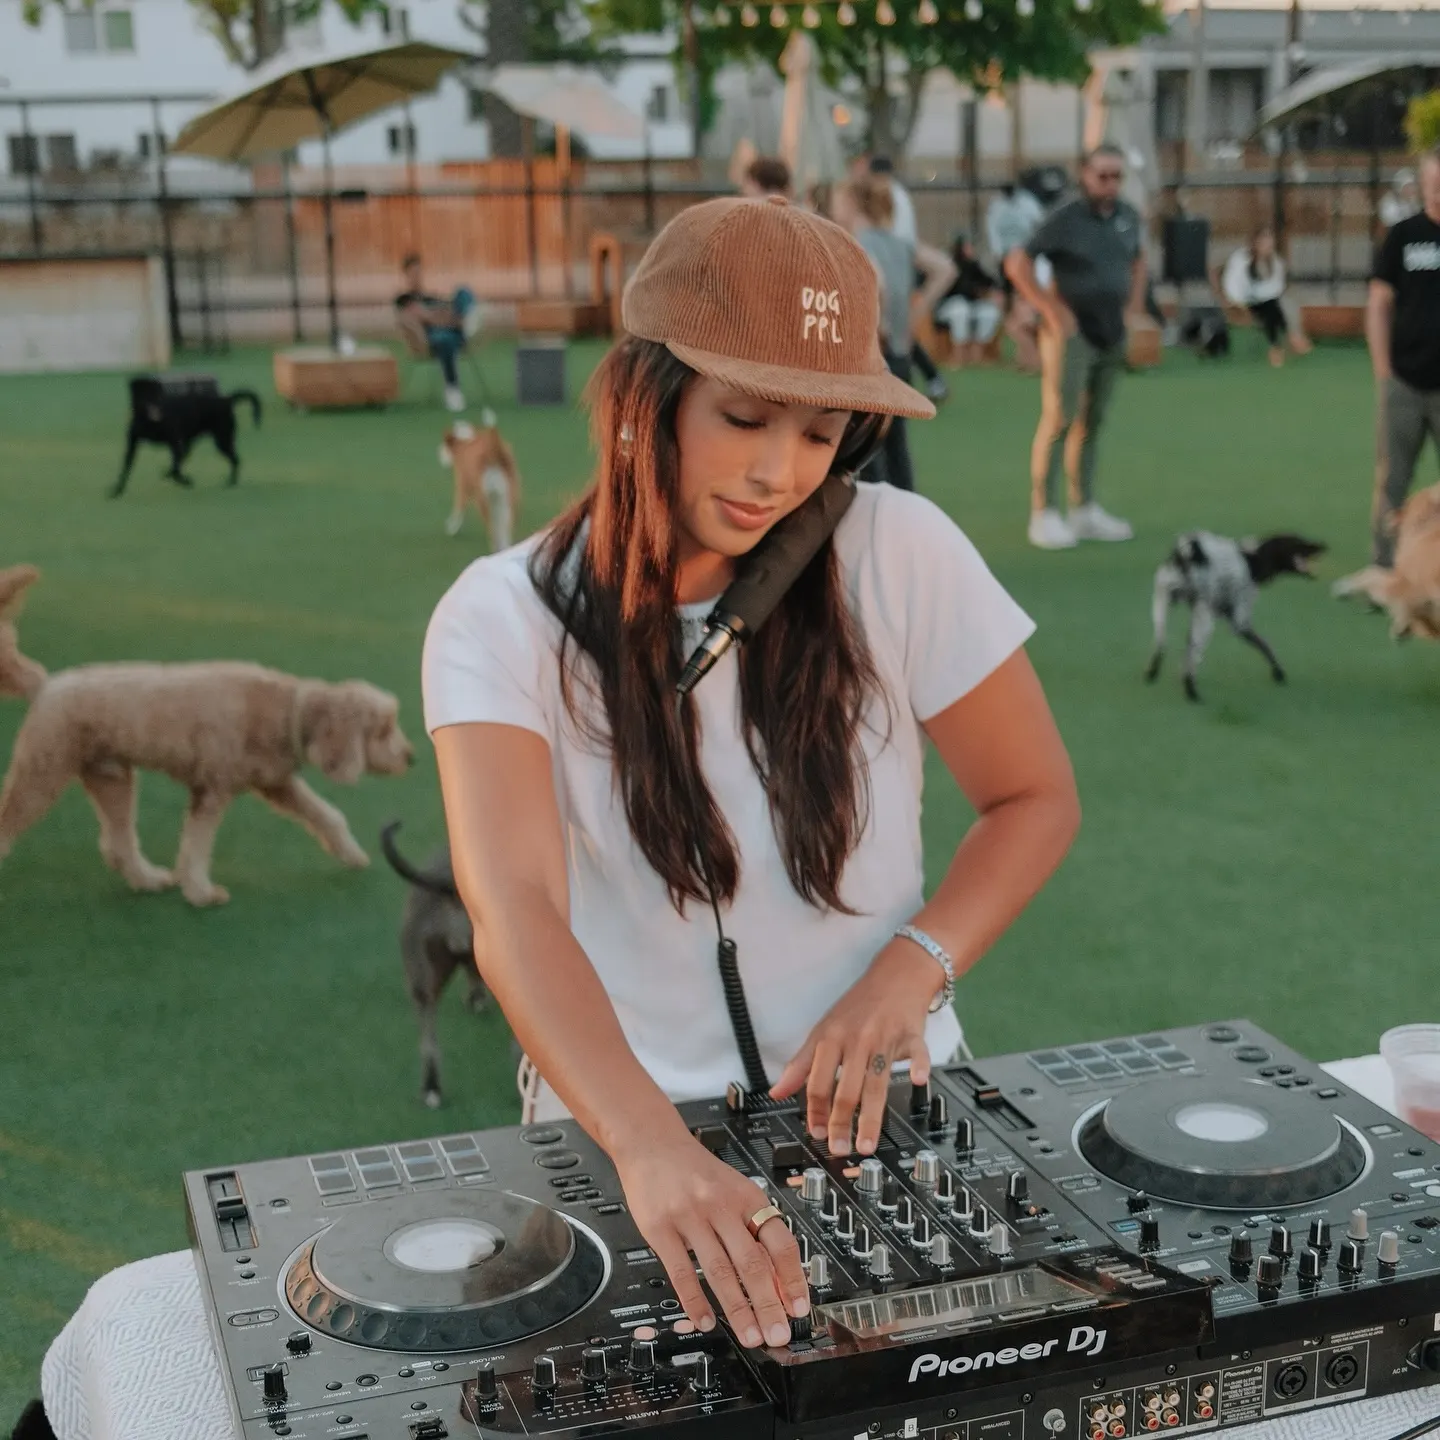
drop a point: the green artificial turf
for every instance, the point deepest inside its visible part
(1270, 853)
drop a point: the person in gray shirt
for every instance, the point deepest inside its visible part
(1093, 244)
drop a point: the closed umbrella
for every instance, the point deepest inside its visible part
(292, 98)
(809, 141)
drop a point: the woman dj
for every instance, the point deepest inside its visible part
(751, 371)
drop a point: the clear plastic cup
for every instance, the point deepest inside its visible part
(1413, 1054)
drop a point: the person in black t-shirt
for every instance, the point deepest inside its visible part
(1402, 328)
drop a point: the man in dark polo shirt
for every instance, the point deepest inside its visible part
(1093, 245)
(1402, 328)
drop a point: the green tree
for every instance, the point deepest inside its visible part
(1422, 122)
(990, 44)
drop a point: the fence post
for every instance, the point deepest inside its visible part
(162, 194)
(32, 165)
(296, 322)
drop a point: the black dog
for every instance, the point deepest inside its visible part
(1218, 576)
(175, 410)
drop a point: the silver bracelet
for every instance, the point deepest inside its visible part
(940, 956)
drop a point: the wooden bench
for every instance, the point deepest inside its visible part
(318, 378)
(562, 317)
(1333, 322)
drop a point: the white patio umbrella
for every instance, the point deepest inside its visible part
(568, 98)
(809, 141)
(297, 96)
(1321, 84)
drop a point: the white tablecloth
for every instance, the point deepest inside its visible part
(136, 1361)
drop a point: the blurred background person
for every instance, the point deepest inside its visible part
(971, 308)
(1011, 218)
(1094, 243)
(766, 175)
(1402, 329)
(1254, 276)
(1401, 200)
(865, 208)
(436, 326)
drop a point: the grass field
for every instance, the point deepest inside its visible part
(1270, 853)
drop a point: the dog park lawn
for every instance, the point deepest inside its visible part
(1270, 853)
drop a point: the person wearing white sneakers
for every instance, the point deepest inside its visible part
(441, 327)
(1093, 245)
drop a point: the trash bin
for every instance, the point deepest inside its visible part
(540, 370)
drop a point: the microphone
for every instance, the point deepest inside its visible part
(766, 573)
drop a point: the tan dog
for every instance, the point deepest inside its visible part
(486, 477)
(219, 727)
(1411, 591)
(20, 677)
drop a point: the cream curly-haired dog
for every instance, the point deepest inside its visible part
(1411, 589)
(220, 728)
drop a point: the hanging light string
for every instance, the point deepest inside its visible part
(925, 12)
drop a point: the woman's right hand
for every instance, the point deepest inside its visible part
(686, 1202)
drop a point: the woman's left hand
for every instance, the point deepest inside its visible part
(846, 1059)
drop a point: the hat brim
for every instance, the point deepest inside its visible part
(883, 394)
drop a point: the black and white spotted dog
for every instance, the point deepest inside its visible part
(1215, 575)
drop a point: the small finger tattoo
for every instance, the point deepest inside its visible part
(878, 1064)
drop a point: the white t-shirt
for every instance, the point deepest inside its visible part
(902, 223)
(936, 622)
(1243, 288)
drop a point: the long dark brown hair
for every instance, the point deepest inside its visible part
(608, 568)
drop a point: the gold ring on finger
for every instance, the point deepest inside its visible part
(761, 1217)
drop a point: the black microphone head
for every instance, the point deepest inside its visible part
(777, 562)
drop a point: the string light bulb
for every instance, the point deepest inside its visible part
(748, 16)
(846, 13)
(927, 14)
(974, 10)
(722, 16)
(1024, 8)
(778, 18)
(1084, 5)
(884, 13)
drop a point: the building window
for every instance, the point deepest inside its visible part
(658, 106)
(1235, 97)
(61, 154)
(395, 21)
(118, 27)
(475, 106)
(401, 139)
(24, 154)
(81, 32)
(89, 31)
(1172, 93)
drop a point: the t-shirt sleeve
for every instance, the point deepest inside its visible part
(1051, 235)
(957, 623)
(485, 650)
(1387, 259)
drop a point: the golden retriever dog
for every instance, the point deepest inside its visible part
(1410, 591)
(218, 727)
(486, 477)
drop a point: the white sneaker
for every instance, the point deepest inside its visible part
(1049, 530)
(1090, 522)
(454, 398)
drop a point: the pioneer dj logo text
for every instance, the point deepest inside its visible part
(822, 314)
(1084, 1339)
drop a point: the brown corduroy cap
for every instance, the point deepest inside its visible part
(772, 301)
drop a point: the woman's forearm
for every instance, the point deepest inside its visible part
(999, 867)
(562, 1016)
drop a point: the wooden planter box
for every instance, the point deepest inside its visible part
(562, 317)
(317, 378)
(1142, 346)
(1333, 322)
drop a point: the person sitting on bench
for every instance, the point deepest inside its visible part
(438, 327)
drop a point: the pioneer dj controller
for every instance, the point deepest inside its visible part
(1168, 1232)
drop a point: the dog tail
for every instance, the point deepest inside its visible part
(252, 398)
(437, 884)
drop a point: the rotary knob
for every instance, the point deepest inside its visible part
(890, 1193)
(919, 1099)
(594, 1368)
(905, 1214)
(642, 1357)
(1281, 1243)
(871, 1177)
(863, 1242)
(945, 1190)
(1351, 1257)
(980, 1219)
(813, 1185)
(1149, 1232)
(1387, 1252)
(298, 1342)
(921, 1238)
(845, 1226)
(927, 1168)
(800, 1331)
(1311, 1264)
(542, 1374)
(802, 1242)
(830, 1206)
(1319, 1234)
(1359, 1227)
(272, 1383)
(1242, 1251)
(999, 1240)
(964, 1205)
(1137, 1202)
(1269, 1272)
(818, 1271)
(702, 1374)
(964, 1135)
(487, 1388)
(940, 1252)
(939, 1116)
(1017, 1188)
(879, 1262)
